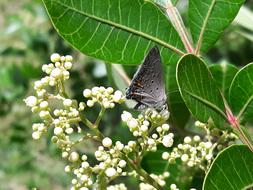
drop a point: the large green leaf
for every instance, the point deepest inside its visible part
(119, 31)
(209, 18)
(199, 90)
(241, 93)
(232, 169)
(223, 75)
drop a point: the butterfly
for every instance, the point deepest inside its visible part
(147, 86)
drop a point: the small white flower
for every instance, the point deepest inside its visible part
(110, 172)
(173, 186)
(56, 73)
(151, 141)
(144, 128)
(167, 141)
(68, 65)
(122, 163)
(187, 140)
(85, 165)
(107, 142)
(69, 130)
(196, 138)
(132, 123)
(67, 168)
(55, 57)
(159, 129)
(83, 188)
(31, 101)
(67, 102)
(90, 103)
(63, 58)
(64, 154)
(208, 145)
(74, 156)
(184, 157)
(165, 127)
(209, 156)
(36, 135)
(84, 178)
(126, 116)
(109, 90)
(165, 156)
(58, 130)
(117, 96)
(44, 104)
(87, 93)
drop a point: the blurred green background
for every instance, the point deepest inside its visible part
(27, 39)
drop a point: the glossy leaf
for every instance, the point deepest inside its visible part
(209, 18)
(232, 169)
(223, 75)
(115, 31)
(241, 93)
(199, 90)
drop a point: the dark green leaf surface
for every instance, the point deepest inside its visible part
(232, 169)
(209, 18)
(199, 90)
(223, 75)
(119, 31)
(241, 93)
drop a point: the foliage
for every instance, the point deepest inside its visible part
(122, 32)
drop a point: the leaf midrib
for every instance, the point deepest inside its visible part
(120, 26)
(208, 104)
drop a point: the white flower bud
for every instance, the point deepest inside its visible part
(84, 178)
(62, 58)
(36, 135)
(126, 116)
(109, 90)
(68, 65)
(144, 128)
(209, 156)
(74, 156)
(165, 156)
(95, 90)
(159, 129)
(64, 154)
(58, 130)
(56, 73)
(167, 141)
(119, 145)
(187, 140)
(173, 186)
(31, 101)
(107, 142)
(190, 163)
(117, 96)
(90, 103)
(55, 57)
(98, 154)
(208, 145)
(122, 163)
(165, 127)
(196, 138)
(166, 174)
(67, 169)
(57, 64)
(67, 102)
(110, 172)
(87, 93)
(132, 123)
(184, 157)
(85, 165)
(151, 141)
(44, 104)
(69, 130)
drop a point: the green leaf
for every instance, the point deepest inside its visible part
(232, 169)
(223, 75)
(115, 31)
(209, 18)
(179, 113)
(241, 93)
(199, 90)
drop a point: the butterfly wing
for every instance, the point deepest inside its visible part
(147, 86)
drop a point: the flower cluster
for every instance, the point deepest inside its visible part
(196, 151)
(160, 179)
(150, 129)
(120, 186)
(104, 96)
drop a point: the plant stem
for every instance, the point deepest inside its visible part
(178, 24)
(144, 174)
(100, 116)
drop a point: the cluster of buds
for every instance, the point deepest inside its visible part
(120, 186)
(193, 152)
(150, 129)
(160, 179)
(104, 96)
